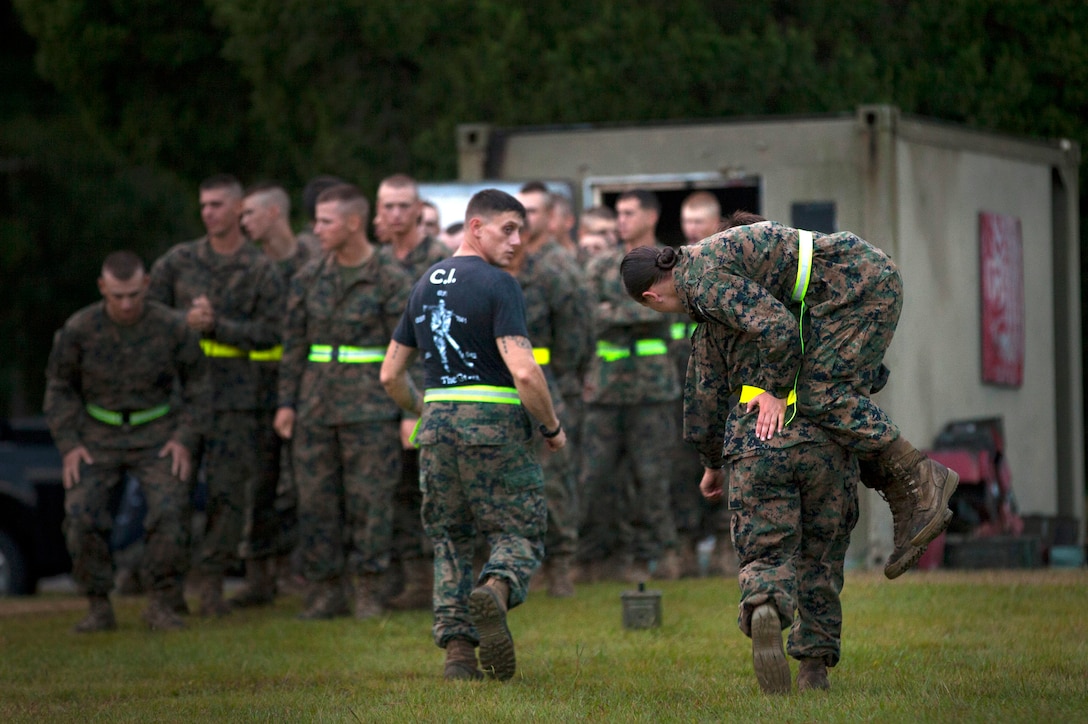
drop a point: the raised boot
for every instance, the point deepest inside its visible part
(159, 614)
(461, 661)
(99, 616)
(811, 675)
(211, 596)
(928, 483)
(560, 576)
(260, 585)
(904, 555)
(327, 599)
(487, 606)
(768, 654)
(418, 591)
(368, 603)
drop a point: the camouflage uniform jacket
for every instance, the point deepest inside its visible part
(321, 310)
(156, 361)
(715, 422)
(427, 253)
(558, 314)
(269, 370)
(744, 277)
(622, 323)
(246, 293)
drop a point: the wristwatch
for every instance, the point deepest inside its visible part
(550, 433)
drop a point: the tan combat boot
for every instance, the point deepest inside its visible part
(812, 674)
(326, 600)
(260, 585)
(487, 606)
(928, 483)
(211, 596)
(461, 661)
(368, 603)
(159, 614)
(560, 576)
(904, 556)
(768, 654)
(689, 558)
(99, 616)
(667, 567)
(418, 591)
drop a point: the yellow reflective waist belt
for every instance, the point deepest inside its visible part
(473, 393)
(127, 417)
(345, 354)
(642, 348)
(681, 330)
(749, 393)
(804, 265)
(212, 348)
(542, 355)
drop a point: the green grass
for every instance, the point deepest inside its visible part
(931, 647)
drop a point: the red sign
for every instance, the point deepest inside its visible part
(1001, 252)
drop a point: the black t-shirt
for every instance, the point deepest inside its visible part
(457, 310)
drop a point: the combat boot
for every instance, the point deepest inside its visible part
(768, 655)
(904, 555)
(487, 606)
(632, 570)
(689, 558)
(326, 600)
(812, 674)
(461, 661)
(211, 596)
(667, 567)
(560, 576)
(418, 591)
(159, 615)
(928, 483)
(260, 585)
(99, 616)
(368, 603)
(723, 559)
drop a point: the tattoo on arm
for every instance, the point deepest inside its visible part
(516, 341)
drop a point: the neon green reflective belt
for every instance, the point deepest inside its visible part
(127, 417)
(212, 348)
(542, 355)
(749, 393)
(643, 348)
(681, 330)
(345, 354)
(473, 393)
(804, 265)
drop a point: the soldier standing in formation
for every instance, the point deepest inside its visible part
(341, 311)
(231, 294)
(127, 392)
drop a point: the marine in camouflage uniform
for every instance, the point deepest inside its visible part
(123, 391)
(630, 391)
(479, 473)
(341, 311)
(559, 319)
(794, 503)
(246, 293)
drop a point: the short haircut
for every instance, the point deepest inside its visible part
(313, 189)
(271, 194)
(122, 265)
(431, 204)
(455, 228)
(222, 181)
(703, 201)
(490, 202)
(400, 181)
(349, 197)
(562, 203)
(646, 199)
(740, 218)
(605, 213)
(531, 187)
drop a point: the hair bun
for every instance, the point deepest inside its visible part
(666, 258)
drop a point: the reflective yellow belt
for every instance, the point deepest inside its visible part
(642, 348)
(804, 265)
(473, 393)
(127, 417)
(681, 330)
(749, 393)
(345, 354)
(218, 349)
(542, 355)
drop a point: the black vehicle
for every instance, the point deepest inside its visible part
(31, 508)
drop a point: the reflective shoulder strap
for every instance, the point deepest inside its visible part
(804, 264)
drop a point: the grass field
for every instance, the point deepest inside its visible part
(930, 647)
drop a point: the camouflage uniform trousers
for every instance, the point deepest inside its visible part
(793, 511)
(230, 468)
(262, 528)
(346, 476)
(88, 521)
(695, 517)
(627, 471)
(843, 355)
(560, 491)
(494, 490)
(409, 540)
